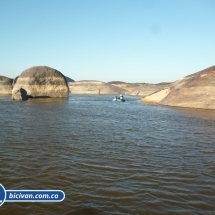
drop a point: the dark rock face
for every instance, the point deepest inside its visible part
(42, 81)
(68, 79)
(5, 85)
(20, 94)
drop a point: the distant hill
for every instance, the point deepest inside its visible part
(68, 79)
(94, 87)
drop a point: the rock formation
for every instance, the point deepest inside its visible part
(93, 87)
(5, 85)
(147, 89)
(156, 97)
(140, 89)
(20, 94)
(41, 81)
(193, 91)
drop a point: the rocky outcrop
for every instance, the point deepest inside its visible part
(193, 91)
(93, 87)
(156, 97)
(147, 89)
(20, 94)
(140, 89)
(41, 81)
(5, 85)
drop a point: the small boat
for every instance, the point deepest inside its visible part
(116, 99)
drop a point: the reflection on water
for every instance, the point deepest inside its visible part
(108, 157)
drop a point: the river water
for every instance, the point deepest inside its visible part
(108, 157)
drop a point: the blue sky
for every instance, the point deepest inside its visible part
(127, 40)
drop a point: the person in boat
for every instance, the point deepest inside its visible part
(121, 97)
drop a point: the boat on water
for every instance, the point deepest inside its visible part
(117, 99)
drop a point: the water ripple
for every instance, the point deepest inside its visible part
(108, 158)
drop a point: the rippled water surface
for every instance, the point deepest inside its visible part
(108, 157)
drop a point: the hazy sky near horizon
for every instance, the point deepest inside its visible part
(125, 40)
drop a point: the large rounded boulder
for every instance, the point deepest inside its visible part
(41, 81)
(5, 85)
